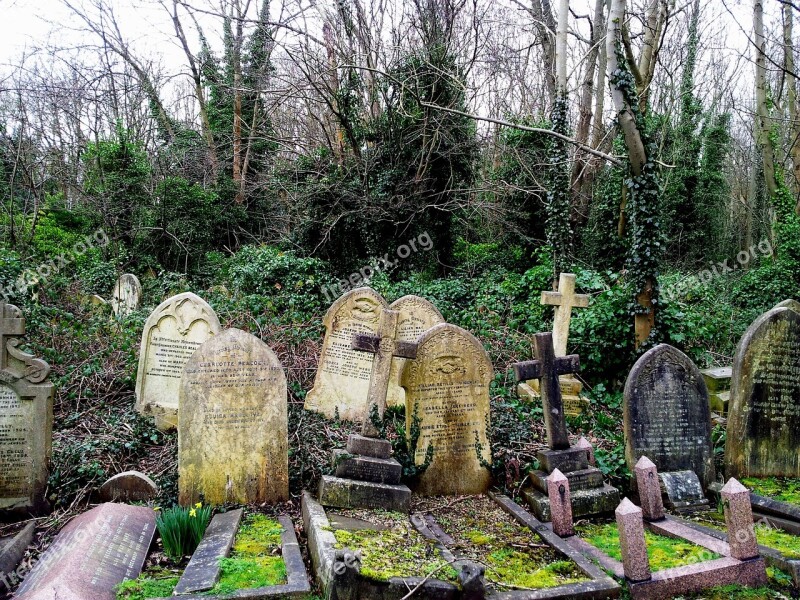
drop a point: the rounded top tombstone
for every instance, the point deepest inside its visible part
(763, 433)
(666, 414)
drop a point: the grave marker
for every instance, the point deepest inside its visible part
(447, 388)
(667, 417)
(126, 296)
(233, 430)
(26, 419)
(764, 417)
(171, 334)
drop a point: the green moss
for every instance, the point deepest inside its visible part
(777, 488)
(766, 535)
(478, 538)
(146, 587)
(663, 552)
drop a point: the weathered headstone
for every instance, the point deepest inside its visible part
(341, 386)
(204, 569)
(26, 419)
(233, 429)
(416, 316)
(666, 414)
(126, 296)
(447, 389)
(790, 303)
(589, 494)
(129, 486)
(763, 434)
(171, 334)
(564, 300)
(95, 552)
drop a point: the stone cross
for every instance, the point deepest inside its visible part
(565, 299)
(384, 346)
(11, 325)
(547, 368)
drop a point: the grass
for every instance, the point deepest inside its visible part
(147, 586)
(778, 488)
(663, 552)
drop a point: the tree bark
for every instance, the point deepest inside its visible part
(762, 109)
(791, 88)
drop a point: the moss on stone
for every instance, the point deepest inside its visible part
(778, 488)
(766, 535)
(663, 552)
(146, 586)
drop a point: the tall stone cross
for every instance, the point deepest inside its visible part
(565, 299)
(547, 367)
(12, 324)
(384, 346)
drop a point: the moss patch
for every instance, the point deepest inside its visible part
(777, 488)
(663, 552)
(514, 556)
(398, 551)
(146, 587)
(786, 543)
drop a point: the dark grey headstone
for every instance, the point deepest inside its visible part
(94, 553)
(367, 468)
(366, 446)
(666, 414)
(764, 414)
(130, 486)
(203, 571)
(682, 489)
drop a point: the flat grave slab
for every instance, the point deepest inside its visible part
(12, 549)
(202, 572)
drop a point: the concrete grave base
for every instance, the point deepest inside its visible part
(350, 493)
(596, 501)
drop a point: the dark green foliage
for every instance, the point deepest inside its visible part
(182, 528)
(405, 443)
(558, 226)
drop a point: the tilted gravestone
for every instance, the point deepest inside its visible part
(667, 418)
(416, 316)
(94, 553)
(763, 433)
(171, 334)
(447, 389)
(26, 419)
(126, 296)
(233, 428)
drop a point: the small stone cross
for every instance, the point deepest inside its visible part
(11, 325)
(384, 346)
(547, 368)
(565, 299)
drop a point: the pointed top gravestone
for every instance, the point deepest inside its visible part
(26, 419)
(416, 316)
(763, 433)
(172, 333)
(126, 296)
(233, 428)
(341, 385)
(666, 414)
(447, 389)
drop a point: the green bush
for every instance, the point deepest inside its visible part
(181, 529)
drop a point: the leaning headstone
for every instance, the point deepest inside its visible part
(26, 419)
(764, 417)
(341, 386)
(171, 334)
(130, 486)
(666, 416)
(416, 316)
(233, 428)
(447, 389)
(126, 296)
(93, 554)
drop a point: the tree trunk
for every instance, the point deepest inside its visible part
(545, 26)
(762, 108)
(791, 86)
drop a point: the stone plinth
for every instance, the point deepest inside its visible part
(560, 504)
(649, 489)
(350, 493)
(632, 542)
(739, 519)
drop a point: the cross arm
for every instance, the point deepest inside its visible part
(366, 342)
(566, 365)
(529, 369)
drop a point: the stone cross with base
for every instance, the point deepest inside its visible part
(384, 346)
(547, 367)
(565, 299)
(12, 325)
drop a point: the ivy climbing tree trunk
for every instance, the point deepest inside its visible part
(642, 186)
(764, 138)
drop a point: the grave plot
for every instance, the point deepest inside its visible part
(245, 556)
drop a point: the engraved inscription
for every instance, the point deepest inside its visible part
(16, 462)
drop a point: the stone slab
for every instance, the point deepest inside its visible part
(792, 527)
(351, 524)
(566, 461)
(348, 493)
(203, 571)
(574, 404)
(682, 489)
(129, 486)
(718, 379)
(677, 530)
(91, 555)
(585, 503)
(12, 550)
(584, 479)
(367, 468)
(366, 446)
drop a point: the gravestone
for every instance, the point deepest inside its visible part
(341, 385)
(129, 486)
(126, 296)
(233, 429)
(564, 301)
(95, 552)
(589, 494)
(763, 433)
(26, 420)
(667, 418)
(416, 316)
(171, 334)
(790, 303)
(447, 389)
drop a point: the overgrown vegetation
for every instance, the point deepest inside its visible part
(181, 529)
